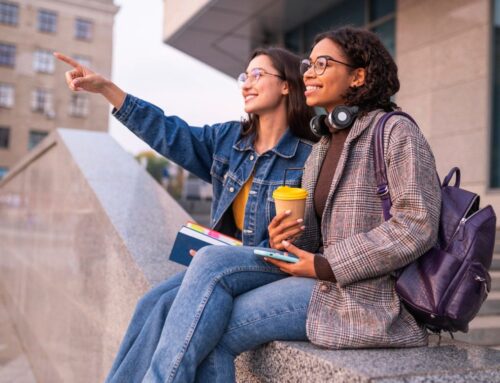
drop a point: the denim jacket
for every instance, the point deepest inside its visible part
(219, 154)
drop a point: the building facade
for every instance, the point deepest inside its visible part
(34, 98)
(448, 55)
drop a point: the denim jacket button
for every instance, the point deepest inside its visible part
(251, 157)
(231, 189)
(324, 288)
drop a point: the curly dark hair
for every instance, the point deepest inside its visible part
(299, 114)
(363, 49)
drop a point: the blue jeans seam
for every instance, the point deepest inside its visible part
(201, 307)
(301, 308)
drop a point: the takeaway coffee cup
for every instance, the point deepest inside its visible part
(289, 198)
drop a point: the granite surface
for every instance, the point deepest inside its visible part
(301, 361)
(85, 232)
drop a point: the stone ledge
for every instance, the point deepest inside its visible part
(452, 361)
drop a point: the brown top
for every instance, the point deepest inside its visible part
(325, 178)
(327, 171)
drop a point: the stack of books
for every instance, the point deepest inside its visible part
(193, 237)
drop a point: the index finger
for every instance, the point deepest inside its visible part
(67, 60)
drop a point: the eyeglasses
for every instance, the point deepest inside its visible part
(319, 65)
(254, 76)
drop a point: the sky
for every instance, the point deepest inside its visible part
(149, 69)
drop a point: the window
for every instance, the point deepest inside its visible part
(6, 95)
(35, 137)
(4, 137)
(9, 13)
(79, 106)
(83, 60)
(41, 101)
(47, 21)
(83, 29)
(3, 171)
(495, 134)
(43, 61)
(376, 15)
(7, 55)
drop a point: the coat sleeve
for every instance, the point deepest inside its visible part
(188, 146)
(416, 203)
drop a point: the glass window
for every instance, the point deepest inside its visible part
(376, 15)
(3, 171)
(9, 13)
(6, 95)
(83, 60)
(35, 137)
(381, 8)
(387, 33)
(79, 105)
(4, 137)
(495, 134)
(83, 29)
(7, 54)
(47, 21)
(41, 101)
(43, 61)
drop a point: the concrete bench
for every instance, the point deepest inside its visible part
(85, 232)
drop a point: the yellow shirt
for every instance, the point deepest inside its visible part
(240, 202)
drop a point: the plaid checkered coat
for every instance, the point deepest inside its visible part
(362, 309)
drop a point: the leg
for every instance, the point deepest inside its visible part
(203, 306)
(139, 343)
(276, 311)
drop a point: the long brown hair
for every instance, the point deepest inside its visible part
(298, 113)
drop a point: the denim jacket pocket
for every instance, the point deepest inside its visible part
(219, 168)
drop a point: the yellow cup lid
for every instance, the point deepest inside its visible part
(287, 193)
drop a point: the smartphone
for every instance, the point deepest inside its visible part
(276, 255)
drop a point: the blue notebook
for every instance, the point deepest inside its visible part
(190, 238)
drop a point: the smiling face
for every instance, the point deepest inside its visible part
(327, 90)
(268, 92)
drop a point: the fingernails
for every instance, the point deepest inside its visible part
(285, 243)
(288, 212)
(302, 227)
(300, 220)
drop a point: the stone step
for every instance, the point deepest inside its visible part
(495, 264)
(495, 280)
(492, 305)
(483, 330)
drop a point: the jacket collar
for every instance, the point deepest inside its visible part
(286, 147)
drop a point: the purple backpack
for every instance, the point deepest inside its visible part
(445, 287)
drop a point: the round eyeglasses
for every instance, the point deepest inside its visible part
(254, 76)
(319, 65)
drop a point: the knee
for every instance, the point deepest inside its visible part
(212, 256)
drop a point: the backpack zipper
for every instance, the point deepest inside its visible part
(461, 225)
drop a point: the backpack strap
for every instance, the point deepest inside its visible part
(378, 156)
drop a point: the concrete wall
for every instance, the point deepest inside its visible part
(443, 55)
(84, 232)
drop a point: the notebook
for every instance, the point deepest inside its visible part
(194, 236)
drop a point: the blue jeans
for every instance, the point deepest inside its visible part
(230, 301)
(143, 334)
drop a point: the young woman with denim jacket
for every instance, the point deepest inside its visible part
(244, 161)
(340, 294)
